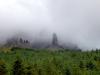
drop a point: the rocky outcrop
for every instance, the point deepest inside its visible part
(17, 42)
(24, 43)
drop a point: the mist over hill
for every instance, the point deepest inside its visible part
(74, 22)
(23, 42)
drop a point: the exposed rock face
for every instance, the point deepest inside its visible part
(55, 44)
(18, 42)
(47, 44)
(39, 44)
(54, 40)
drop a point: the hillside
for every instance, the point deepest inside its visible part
(42, 62)
(22, 42)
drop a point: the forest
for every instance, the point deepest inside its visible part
(23, 61)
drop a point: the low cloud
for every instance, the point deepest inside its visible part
(73, 21)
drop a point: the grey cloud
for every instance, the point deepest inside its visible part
(74, 21)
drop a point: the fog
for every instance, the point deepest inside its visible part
(75, 21)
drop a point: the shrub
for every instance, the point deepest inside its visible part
(90, 65)
(3, 70)
(96, 58)
(68, 72)
(81, 65)
(29, 70)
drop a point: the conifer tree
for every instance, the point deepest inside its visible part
(18, 67)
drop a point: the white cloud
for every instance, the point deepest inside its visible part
(77, 21)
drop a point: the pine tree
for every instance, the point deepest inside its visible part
(18, 67)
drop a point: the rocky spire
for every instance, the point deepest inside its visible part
(55, 39)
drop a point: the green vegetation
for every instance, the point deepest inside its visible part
(43, 62)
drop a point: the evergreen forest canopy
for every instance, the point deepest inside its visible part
(21, 61)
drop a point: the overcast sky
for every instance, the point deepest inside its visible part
(76, 21)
